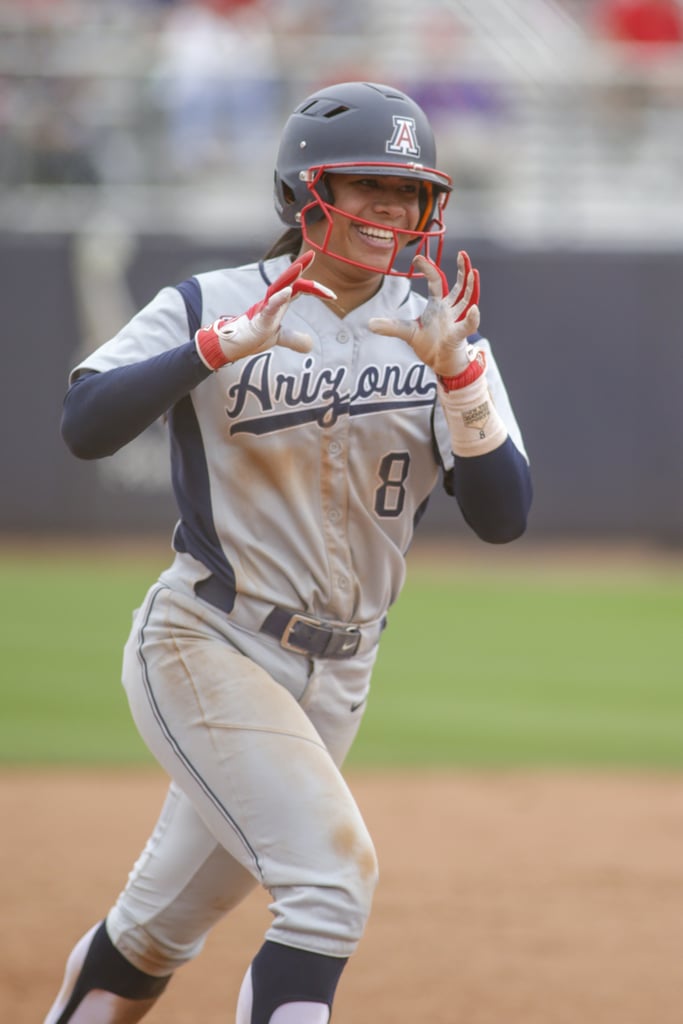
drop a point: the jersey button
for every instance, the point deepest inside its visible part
(343, 337)
(342, 582)
(335, 448)
(333, 515)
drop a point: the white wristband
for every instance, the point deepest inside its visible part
(474, 424)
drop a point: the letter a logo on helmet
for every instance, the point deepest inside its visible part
(404, 139)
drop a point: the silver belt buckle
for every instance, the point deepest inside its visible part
(297, 618)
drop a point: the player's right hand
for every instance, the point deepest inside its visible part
(233, 337)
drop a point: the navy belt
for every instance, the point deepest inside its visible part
(294, 630)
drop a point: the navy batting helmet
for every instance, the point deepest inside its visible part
(357, 128)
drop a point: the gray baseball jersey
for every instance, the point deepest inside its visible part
(299, 478)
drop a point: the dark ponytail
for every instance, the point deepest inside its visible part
(287, 244)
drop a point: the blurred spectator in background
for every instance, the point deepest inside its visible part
(641, 102)
(320, 42)
(466, 108)
(645, 23)
(215, 80)
(43, 140)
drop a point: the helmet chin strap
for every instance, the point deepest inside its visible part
(401, 238)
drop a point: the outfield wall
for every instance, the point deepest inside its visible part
(590, 344)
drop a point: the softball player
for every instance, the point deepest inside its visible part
(308, 423)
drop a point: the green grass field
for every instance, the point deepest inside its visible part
(484, 670)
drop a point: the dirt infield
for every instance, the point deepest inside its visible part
(503, 898)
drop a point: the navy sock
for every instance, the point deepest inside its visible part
(105, 968)
(282, 974)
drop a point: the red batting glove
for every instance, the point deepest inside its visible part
(233, 337)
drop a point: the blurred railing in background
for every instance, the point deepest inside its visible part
(166, 115)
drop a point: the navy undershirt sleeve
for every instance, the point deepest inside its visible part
(104, 411)
(494, 492)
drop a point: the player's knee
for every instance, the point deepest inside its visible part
(151, 947)
(359, 890)
(330, 914)
(355, 875)
(365, 874)
(358, 883)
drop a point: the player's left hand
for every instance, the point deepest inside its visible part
(260, 328)
(439, 335)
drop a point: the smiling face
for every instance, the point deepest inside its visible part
(372, 219)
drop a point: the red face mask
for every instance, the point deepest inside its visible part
(430, 227)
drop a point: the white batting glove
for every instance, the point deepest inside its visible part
(232, 337)
(439, 335)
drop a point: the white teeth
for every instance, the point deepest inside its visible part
(376, 233)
